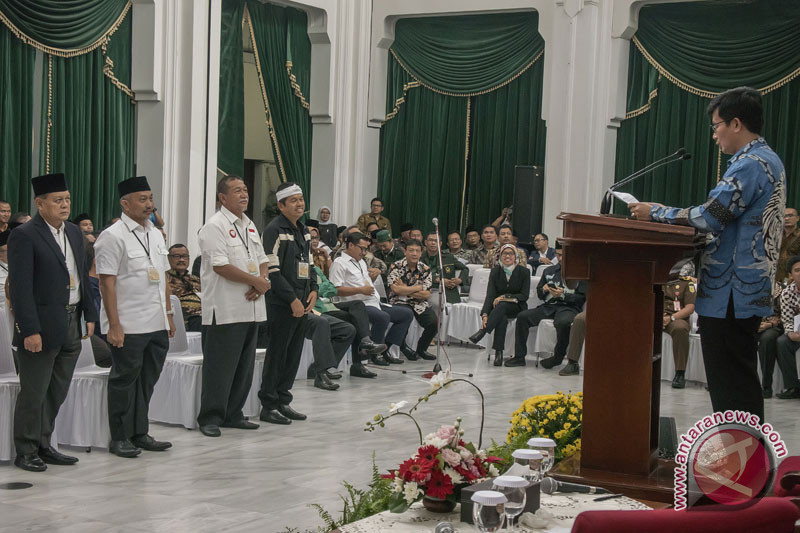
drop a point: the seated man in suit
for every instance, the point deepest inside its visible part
(506, 296)
(542, 254)
(561, 304)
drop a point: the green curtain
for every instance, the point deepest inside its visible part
(681, 56)
(63, 24)
(287, 117)
(90, 133)
(230, 140)
(462, 90)
(16, 119)
(507, 130)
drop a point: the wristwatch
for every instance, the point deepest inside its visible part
(171, 312)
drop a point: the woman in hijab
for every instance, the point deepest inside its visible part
(327, 227)
(506, 296)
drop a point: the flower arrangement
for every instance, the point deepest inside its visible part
(554, 416)
(439, 468)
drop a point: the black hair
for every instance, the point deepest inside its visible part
(544, 236)
(414, 242)
(488, 226)
(377, 198)
(504, 226)
(743, 103)
(373, 224)
(178, 245)
(454, 231)
(356, 237)
(429, 234)
(222, 185)
(791, 262)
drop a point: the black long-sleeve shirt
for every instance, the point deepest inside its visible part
(286, 246)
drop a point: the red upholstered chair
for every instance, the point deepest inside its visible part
(787, 480)
(769, 515)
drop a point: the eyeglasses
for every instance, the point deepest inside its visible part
(716, 124)
(364, 249)
(179, 256)
(314, 237)
(539, 240)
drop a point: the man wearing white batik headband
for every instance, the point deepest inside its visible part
(292, 297)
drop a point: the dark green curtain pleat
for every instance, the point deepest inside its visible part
(699, 44)
(507, 130)
(298, 45)
(291, 121)
(470, 53)
(421, 160)
(230, 141)
(92, 131)
(67, 24)
(16, 119)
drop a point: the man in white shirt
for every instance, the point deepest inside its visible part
(234, 278)
(136, 316)
(3, 267)
(350, 275)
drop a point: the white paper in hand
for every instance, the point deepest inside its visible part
(625, 197)
(796, 323)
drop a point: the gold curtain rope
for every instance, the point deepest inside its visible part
(400, 101)
(297, 91)
(466, 159)
(65, 52)
(108, 71)
(645, 108)
(49, 109)
(270, 125)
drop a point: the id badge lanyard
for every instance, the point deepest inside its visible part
(153, 275)
(252, 267)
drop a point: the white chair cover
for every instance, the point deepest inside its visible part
(178, 343)
(6, 353)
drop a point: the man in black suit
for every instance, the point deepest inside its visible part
(50, 290)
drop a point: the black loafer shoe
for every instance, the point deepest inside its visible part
(273, 417)
(789, 394)
(124, 448)
(498, 358)
(515, 361)
(427, 356)
(766, 392)
(146, 442)
(476, 337)
(290, 413)
(679, 382)
(360, 371)
(549, 363)
(333, 375)
(391, 359)
(570, 369)
(240, 424)
(371, 348)
(52, 457)
(30, 462)
(378, 360)
(210, 430)
(408, 352)
(322, 382)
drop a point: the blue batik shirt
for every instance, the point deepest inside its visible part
(743, 220)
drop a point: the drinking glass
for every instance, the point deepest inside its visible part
(531, 459)
(514, 489)
(488, 510)
(547, 447)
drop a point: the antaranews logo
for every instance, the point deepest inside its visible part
(728, 457)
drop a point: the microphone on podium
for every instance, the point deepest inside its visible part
(608, 199)
(550, 485)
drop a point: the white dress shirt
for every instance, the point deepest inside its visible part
(127, 250)
(347, 272)
(3, 276)
(60, 236)
(228, 240)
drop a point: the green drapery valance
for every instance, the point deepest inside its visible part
(467, 55)
(63, 27)
(230, 139)
(684, 54)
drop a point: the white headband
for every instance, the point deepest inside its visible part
(287, 192)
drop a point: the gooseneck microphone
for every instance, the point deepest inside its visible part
(436, 222)
(550, 485)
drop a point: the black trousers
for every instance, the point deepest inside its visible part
(194, 323)
(768, 354)
(286, 337)
(229, 354)
(44, 379)
(430, 325)
(498, 322)
(331, 337)
(787, 361)
(355, 313)
(562, 320)
(729, 347)
(135, 369)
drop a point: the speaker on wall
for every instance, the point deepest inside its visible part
(528, 200)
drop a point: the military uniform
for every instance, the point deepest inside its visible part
(452, 268)
(368, 218)
(677, 295)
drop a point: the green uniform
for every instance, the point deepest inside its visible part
(452, 268)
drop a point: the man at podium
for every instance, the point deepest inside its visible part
(743, 217)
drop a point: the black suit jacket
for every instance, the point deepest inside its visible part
(517, 287)
(38, 282)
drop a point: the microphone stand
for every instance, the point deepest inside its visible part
(608, 198)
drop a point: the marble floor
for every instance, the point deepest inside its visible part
(264, 480)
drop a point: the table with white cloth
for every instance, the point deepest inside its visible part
(557, 513)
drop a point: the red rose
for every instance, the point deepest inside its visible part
(439, 486)
(415, 470)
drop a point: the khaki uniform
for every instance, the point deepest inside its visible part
(677, 295)
(367, 218)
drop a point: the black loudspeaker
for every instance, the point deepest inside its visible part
(528, 202)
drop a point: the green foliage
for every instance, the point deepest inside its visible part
(503, 450)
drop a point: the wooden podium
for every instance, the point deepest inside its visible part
(625, 262)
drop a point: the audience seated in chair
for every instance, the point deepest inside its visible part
(453, 270)
(320, 252)
(505, 236)
(472, 239)
(789, 342)
(185, 286)
(506, 297)
(374, 215)
(459, 252)
(328, 231)
(769, 331)
(490, 246)
(679, 296)
(561, 303)
(577, 334)
(790, 244)
(542, 253)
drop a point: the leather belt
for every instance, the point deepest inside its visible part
(71, 308)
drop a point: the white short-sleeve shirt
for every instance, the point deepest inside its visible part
(347, 272)
(127, 250)
(228, 240)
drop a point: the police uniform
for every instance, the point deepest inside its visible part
(677, 295)
(292, 277)
(230, 320)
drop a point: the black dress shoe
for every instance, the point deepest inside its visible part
(146, 442)
(290, 413)
(323, 382)
(549, 362)
(408, 352)
(570, 369)
(391, 359)
(498, 358)
(476, 337)
(378, 360)
(427, 356)
(240, 424)
(515, 361)
(413, 356)
(273, 417)
(360, 371)
(333, 375)
(30, 462)
(124, 448)
(210, 430)
(766, 392)
(679, 382)
(371, 348)
(789, 394)
(53, 457)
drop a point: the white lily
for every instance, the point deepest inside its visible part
(394, 407)
(440, 379)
